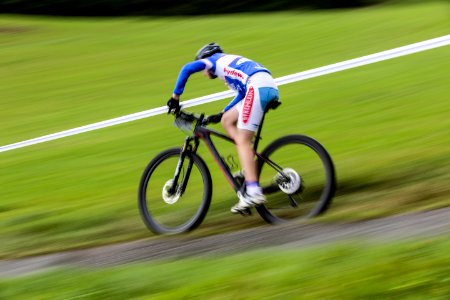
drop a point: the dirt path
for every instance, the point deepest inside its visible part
(423, 224)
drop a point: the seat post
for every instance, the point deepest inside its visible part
(258, 133)
(271, 105)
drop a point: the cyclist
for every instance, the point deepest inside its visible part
(255, 89)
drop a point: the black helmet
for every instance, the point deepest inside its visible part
(208, 50)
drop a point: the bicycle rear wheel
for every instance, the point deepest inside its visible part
(168, 213)
(301, 181)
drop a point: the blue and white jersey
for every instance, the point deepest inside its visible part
(233, 69)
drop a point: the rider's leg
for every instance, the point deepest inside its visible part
(246, 155)
(241, 123)
(229, 121)
(243, 139)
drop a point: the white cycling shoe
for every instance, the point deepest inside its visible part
(247, 201)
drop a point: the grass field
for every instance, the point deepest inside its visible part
(386, 125)
(355, 270)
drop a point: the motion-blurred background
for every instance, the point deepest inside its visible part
(65, 64)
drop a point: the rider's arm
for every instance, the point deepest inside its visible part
(233, 102)
(186, 71)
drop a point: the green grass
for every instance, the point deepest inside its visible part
(385, 125)
(348, 270)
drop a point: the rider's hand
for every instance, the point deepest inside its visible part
(174, 105)
(213, 119)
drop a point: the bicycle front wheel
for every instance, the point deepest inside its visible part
(169, 212)
(298, 179)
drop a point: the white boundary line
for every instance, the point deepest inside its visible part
(345, 65)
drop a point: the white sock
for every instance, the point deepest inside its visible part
(253, 188)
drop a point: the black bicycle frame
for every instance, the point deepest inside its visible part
(204, 133)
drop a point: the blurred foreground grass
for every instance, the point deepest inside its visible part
(347, 270)
(386, 125)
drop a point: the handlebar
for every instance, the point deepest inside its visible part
(189, 116)
(188, 121)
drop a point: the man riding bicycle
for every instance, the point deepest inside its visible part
(255, 89)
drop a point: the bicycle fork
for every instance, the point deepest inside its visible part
(186, 148)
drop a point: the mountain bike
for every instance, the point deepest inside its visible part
(295, 171)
